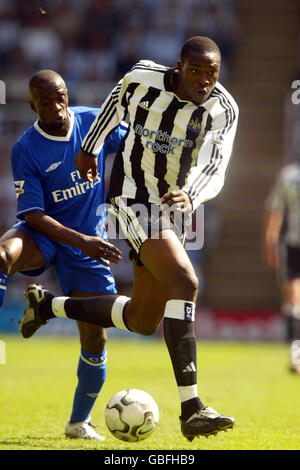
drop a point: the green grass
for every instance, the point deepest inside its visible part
(249, 381)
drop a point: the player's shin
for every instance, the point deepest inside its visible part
(91, 374)
(180, 339)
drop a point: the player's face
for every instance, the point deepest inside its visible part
(197, 76)
(51, 105)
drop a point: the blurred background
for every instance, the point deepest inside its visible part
(92, 43)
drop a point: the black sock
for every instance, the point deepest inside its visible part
(95, 310)
(189, 407)
(45, 309)
(180, 340)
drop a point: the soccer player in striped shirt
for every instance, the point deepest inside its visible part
(281, 237)
(182, 125)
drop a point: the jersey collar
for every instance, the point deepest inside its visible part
(65, 138)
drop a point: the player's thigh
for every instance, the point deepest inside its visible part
(168, 261)
(19, 252)
(92, 337)
(146, 308)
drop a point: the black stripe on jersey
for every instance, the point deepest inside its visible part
(129, 230)
(204, 178)
(103, 118)
(166, 126)
(229, 109)
(128, 95)
(186, 155)
(137, 151)
(214, 155)
(106, 115)
(212, 167)
(208, 124)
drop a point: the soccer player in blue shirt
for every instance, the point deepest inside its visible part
(59, 223)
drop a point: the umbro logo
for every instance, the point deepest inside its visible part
(190, 367)
(93, 395)
(53, 166)
(144, 105)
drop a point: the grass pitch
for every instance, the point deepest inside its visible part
(249, 381)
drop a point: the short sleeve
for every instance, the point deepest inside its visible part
(28, 185)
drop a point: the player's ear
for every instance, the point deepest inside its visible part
(179, 65)
(32, 105)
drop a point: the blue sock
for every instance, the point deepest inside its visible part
(3, 284)
(91, 375)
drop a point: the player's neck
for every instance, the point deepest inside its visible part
(57, 131)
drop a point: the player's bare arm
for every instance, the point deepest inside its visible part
(86, 165)
(273, 222)
(92, 246)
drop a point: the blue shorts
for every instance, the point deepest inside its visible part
(74, 270)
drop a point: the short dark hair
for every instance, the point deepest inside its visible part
(199, 44)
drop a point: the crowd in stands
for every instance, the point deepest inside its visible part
(101, 39)
(94, 42)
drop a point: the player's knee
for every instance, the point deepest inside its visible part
(144, 317)
(185, 287)
(145, 329)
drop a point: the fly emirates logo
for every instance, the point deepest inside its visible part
(79, 187)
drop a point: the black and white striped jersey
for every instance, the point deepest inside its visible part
(284, 197)
(170, 143)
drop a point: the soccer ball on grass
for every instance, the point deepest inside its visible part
(131, 415)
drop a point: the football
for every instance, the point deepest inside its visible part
(131, 415)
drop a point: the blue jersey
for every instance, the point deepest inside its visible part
(46, 177)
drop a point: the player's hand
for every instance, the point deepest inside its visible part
(86, 165)
(100, 250)
(178, 200)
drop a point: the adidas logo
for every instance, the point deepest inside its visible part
(144, 105)
(190, 367)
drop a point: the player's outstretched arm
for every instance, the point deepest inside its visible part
(92, 246)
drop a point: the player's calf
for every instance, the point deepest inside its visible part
(105, 311)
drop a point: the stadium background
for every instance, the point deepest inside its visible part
(92, 43)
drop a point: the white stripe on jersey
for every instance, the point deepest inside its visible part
(170, 143)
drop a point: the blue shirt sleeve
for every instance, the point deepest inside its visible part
(28, 185)
(114, 139)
